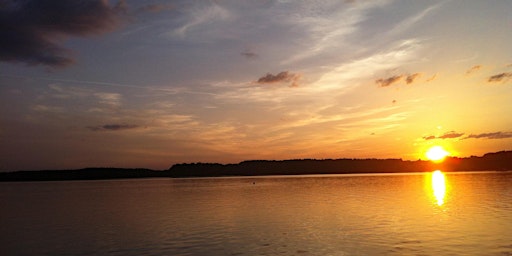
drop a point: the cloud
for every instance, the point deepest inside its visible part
(412, 20)
(249, 54)
(432, 78)
(410, 78)
(448, 135)
(499, 77)
(473, 69)
(491, 135)
(154, 8)
(33, 31)
(203, 15)
(384, 82)
(109, 99)
(453, 135)
(113, 127)
(282, 77)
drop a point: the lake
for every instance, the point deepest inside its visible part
(392, 214)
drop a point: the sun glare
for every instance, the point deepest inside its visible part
(437, 153)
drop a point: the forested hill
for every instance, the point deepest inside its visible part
(499, 161)
(492, 161)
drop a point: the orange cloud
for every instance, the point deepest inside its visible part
(388, 81)
(432, 78)
(410, 78)
(499, 77)
(473, 69)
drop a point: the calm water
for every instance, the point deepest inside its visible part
(414, 214)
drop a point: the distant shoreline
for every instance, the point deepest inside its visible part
(498, 161)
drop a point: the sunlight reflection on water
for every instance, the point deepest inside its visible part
(395, 214)
(439, 186)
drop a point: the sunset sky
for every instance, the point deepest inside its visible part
(154, 83)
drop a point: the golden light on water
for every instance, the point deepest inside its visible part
(439, 186)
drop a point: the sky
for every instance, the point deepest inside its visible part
(154, 83)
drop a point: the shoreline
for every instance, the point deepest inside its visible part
(498, 161)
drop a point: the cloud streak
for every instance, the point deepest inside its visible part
(454, 135)
(33, 31)
(385, 82)
(499, 77)
(282, 77)
(473, 69)
(409, 79)
(249, 54)
(491, 135)
(113, 127)
(448, 135)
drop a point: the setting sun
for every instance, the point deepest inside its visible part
(437, 153)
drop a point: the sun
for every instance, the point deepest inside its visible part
(437, 153)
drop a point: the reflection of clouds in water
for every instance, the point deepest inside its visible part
(439, 186)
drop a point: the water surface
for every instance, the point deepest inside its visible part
(398, 214)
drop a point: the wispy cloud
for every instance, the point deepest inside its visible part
(326, 26)
(47, 108)
(432, 78)
(412, 20)
(110, 99)
(500, 77)
(203, 14)
(473, 69)
(32, 31)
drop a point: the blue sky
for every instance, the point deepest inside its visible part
(153, 83)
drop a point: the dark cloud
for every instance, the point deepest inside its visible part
(282, 77)
(491, 135)
(410, 78)
(32, 31)
(249, 54)
(384, 82)
(451, 135)
(448, 135)
(113, 127)
(499, 77)
(431, 137)
(473, 69)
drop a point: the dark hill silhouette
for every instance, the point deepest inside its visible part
(499, 161)
(492, 161)
(81, 174)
